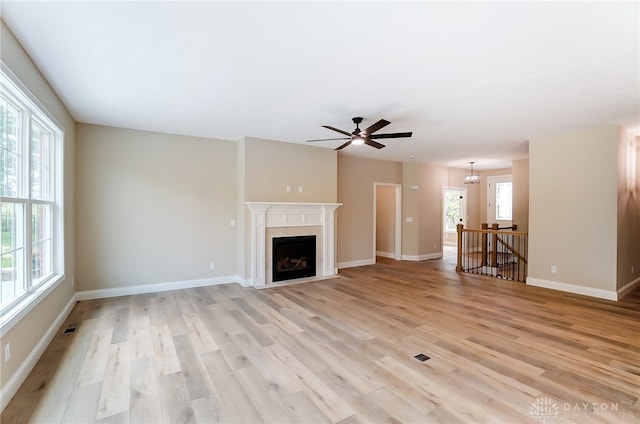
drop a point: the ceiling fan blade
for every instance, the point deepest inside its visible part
(344, 145)
(391, 135)
(375, 127)
(337, 130)
(328, 139)
(372, 143)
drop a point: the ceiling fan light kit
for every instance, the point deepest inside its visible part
(366, 136)
(472, 178)
(357, 140)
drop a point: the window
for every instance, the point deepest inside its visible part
(30, 189)
(503, 201)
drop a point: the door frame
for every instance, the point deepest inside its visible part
(444, 205)
(492, 198)
(398, 221)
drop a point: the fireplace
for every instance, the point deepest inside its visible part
(284, 219)
(293, 257)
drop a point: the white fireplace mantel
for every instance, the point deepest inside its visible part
(283, 214)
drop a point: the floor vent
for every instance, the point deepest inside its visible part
(71, 329)
(421, 357)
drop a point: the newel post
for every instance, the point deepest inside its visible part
(484, 227)
(459, 228)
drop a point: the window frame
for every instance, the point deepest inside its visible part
(34, 113)
(499, 203)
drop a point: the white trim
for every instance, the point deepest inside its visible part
(491, 198)
(285, 214)
(35, 113)
(157, 287)
(352, 264)
(29, 96)
(11, 388)
(623, 291)
(14, 314)
(444, 205)
(296, 281)
(427, 256)
(242, 281)
(572, 288)
(390, 255)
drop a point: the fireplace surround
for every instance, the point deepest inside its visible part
(283, 219)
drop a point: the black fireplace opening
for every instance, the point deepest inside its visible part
(294, 257)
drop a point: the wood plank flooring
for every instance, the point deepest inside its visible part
(342, 351)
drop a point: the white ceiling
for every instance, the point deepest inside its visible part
(473, 81)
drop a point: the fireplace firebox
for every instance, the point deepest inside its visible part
(294, 257)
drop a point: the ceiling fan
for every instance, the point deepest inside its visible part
(365, 136)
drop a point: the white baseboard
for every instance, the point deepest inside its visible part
(352, 264)
(626, 289)
(389, 255)
(572, 288)
(424, 257)
(158, 287)
(243, 282)
(27, 365)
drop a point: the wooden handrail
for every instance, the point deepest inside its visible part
(469, 230)
(512, 250)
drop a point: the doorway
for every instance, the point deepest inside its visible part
(387, 215)
(454, 207)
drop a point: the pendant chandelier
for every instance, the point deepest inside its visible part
(472, 178)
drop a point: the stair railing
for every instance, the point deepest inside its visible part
(505, 256)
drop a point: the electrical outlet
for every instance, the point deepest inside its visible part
(7, 352)
(212, 265)
(288, 189)
(299, 189)
(233, 223)
(554, 269)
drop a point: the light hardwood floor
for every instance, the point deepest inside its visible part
(342, 351)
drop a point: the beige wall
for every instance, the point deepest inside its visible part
(153, 208)
(28, 332)
(411, 209)
(628, 248)
(432, 179)
(271, 166)
(267, 167)
(573, 207)
(356, 178)
(520, 178)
